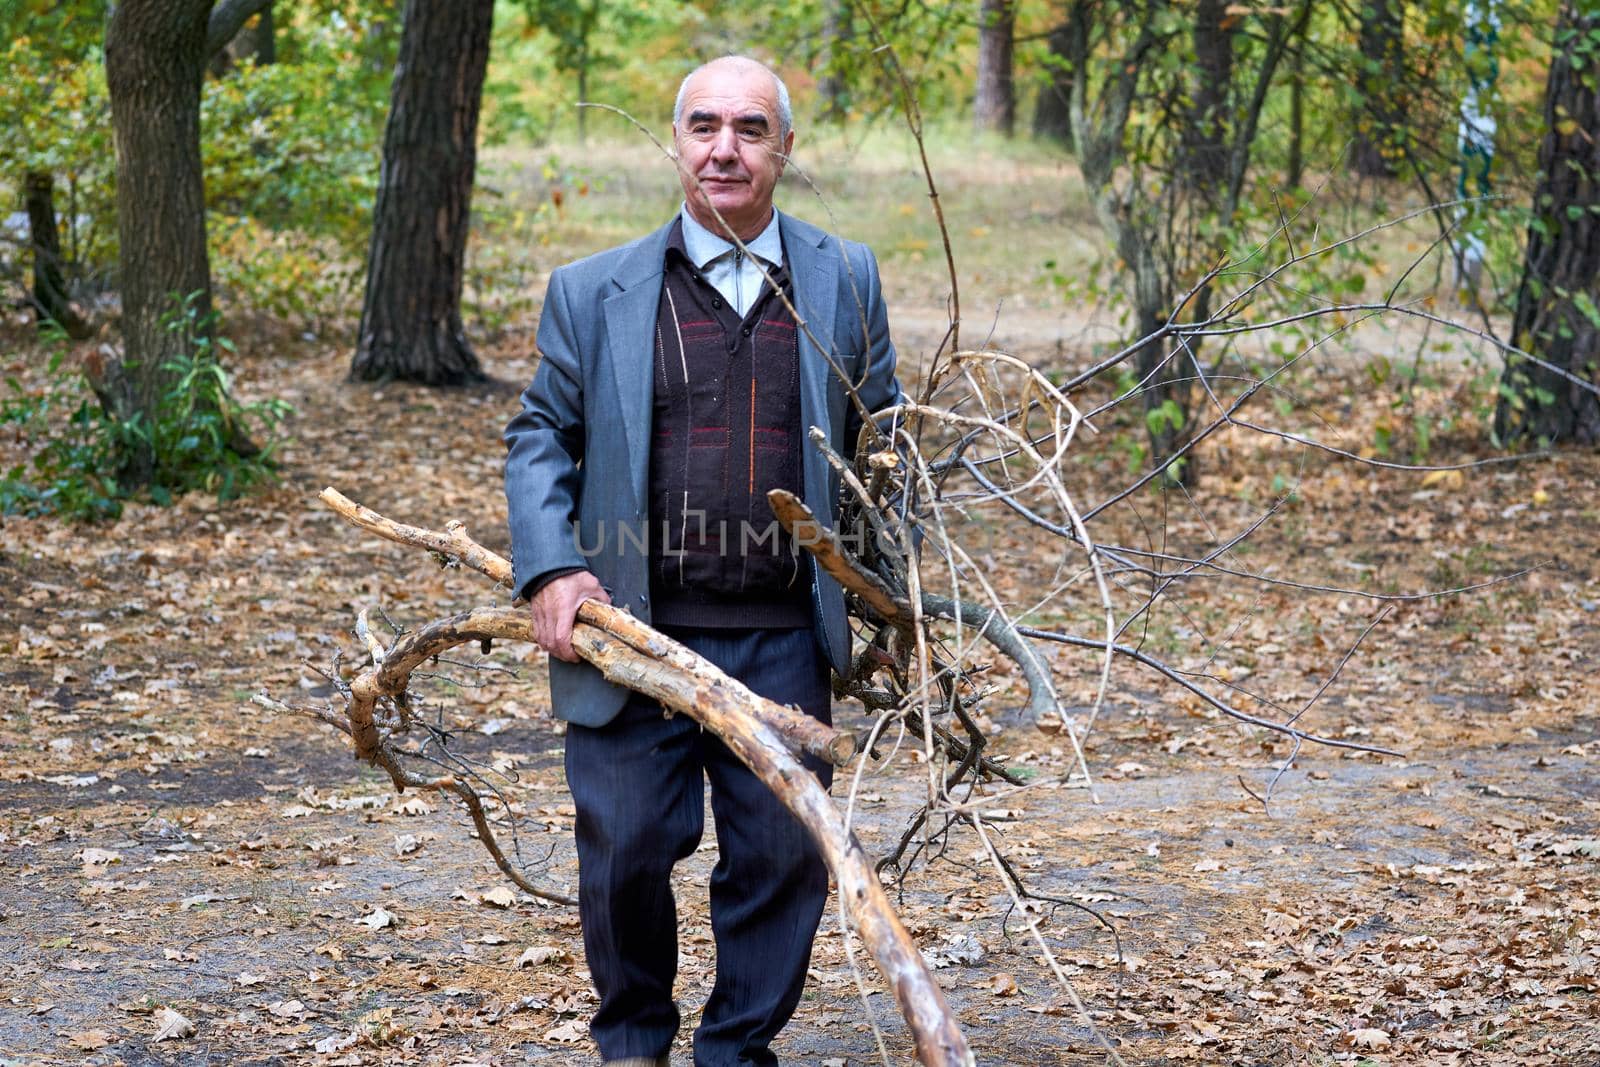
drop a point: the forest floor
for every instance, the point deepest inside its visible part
(171, 849)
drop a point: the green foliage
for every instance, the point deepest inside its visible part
(290, 149)
(82, 452)
(291, 154)
(57, 116)
(71, 471)
(626, 53)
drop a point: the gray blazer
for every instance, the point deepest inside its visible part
(577, 457)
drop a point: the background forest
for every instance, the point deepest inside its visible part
(1311, 584)
(1201, 133)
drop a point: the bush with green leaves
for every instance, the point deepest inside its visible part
(80, 453)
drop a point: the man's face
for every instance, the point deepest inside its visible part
(730, 154)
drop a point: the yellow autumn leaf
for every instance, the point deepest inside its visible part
(1451, 480)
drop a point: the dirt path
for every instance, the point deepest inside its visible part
(169, 846)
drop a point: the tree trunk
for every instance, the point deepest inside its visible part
(1379, 123)
(1205, 134)
(995, 106)
(1556, 316)
(411, 314)
(831, 86)
(1295, 167)
(1052, 113)
(50, 303)
(155, 59)
(1163, 366)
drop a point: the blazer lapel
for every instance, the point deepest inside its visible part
(630, 314)
(814, 266)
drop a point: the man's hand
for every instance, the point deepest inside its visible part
(555, 607)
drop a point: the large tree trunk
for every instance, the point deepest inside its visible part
(50, 303)
(411, 315)
(1561, 276)
(1052, 113)
(155, 59)
(1205, 135)
(995, 105)
(1380, 122)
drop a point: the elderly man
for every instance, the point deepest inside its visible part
(675, 388)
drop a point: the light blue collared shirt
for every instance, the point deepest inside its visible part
(730, 272)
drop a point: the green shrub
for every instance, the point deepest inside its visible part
(80, 452)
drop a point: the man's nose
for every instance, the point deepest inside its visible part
(725, 146)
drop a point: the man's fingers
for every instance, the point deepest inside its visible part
(555, 610)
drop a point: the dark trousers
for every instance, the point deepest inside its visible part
(638, 784)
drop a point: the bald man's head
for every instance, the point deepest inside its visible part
(780, 90)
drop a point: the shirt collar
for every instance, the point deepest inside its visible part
(702, 246)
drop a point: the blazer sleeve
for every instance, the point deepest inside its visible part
(544, 449)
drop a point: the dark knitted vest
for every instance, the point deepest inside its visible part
(727, 429)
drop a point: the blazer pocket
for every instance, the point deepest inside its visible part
(848, 362)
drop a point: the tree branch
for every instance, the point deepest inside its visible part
(227, 19)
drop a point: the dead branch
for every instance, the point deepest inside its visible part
(764, 736)
(798, 730)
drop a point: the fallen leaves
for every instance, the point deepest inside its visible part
(1002, 985)
(90, 1040)
(172, 1026)
(537, 955)
(498, 897)
(569, 1032)
(1368, 1038)
(286, 1009)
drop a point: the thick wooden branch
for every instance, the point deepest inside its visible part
(999, 632)
(454, 542)
(629, 653)
(800, 731)
(831, 556)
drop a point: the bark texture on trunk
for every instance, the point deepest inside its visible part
(1206, 134)
(411, 315)
(50, 303)
(1379, 123)
(1556, 303)
(995, 105)
(1052, 112)
(155, 60)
